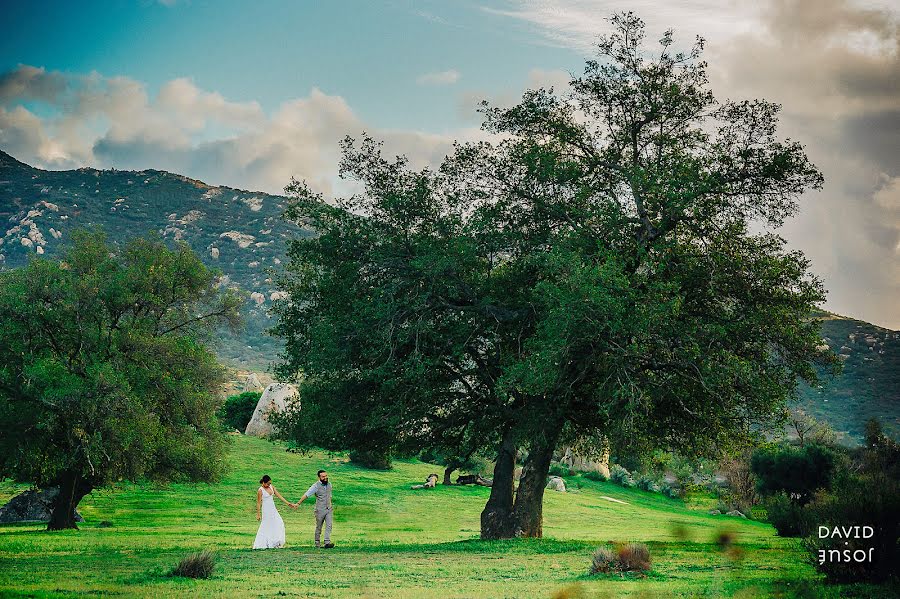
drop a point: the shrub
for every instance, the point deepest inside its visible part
(620, 476)
(595, 475)
(634, 557)
(797, 471)
(557, 469)
(196, 565)
(628, 557)
(870, 498)
(647, 483)
(788, 518)
(604, 561)
(374, 460)
(237, 410)
(672, 490)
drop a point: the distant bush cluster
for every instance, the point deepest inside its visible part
(238, 409)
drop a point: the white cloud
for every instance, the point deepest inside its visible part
(113, 122)
(834, 65)
(448, 77)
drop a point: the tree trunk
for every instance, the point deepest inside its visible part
(528, 512)
(447, 472)
(72, 488)
(497, 518)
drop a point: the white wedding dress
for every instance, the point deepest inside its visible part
(271, 526)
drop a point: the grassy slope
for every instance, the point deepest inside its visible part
(392, 542)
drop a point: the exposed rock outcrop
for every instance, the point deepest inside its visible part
(274, 400)
(31, 506)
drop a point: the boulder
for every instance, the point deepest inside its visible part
(575, 462)
(557, 484)
(274, 399)
(736, 513)
(251, 383)
(31, 506)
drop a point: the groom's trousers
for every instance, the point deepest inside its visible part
(323, 517)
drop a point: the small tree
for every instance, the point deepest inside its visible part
(238, 409)
(797, 471)
(103, 372)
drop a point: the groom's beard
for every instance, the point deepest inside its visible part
(325, 481)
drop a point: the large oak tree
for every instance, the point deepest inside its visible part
(608, 266)
(104, 374)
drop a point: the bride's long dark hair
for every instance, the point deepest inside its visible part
(266, 478)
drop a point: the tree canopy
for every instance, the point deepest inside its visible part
(104, 375)
(607, 265)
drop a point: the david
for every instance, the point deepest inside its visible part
(846, 532)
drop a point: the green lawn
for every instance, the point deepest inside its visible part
(391, 542)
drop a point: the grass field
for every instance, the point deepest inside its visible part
(391, 542)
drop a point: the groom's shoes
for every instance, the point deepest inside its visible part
(328, 545)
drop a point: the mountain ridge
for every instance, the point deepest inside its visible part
(242, 233)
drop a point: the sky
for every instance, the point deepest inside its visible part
(250, 94)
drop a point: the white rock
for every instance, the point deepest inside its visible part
(242, 239)
(274, 400)
(214, 252)
(557, 484)
(40, 249)
(258, 297)
(27, 242)
(278, 295)
(255, 203)
(251, 383)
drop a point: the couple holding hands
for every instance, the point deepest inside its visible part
(271, 526)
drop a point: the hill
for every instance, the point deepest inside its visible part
(236, 231)
(869, 385)
(391, 541)
(242, 233)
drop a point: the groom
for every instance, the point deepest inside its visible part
(323, 512)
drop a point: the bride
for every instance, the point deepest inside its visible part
(271, 526)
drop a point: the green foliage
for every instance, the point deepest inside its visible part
(647, 482)
(620, 476)
(196, 565)
(595, 476)
(869, 497)
(371, 459)
(557, 469)
(788, 517)
(797, 471)
(595, 270)
(238, 409)
(105, 375)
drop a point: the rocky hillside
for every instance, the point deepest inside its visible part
(868, 387)
(238, 232)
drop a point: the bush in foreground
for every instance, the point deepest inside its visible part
(196, 565)
(629, 557)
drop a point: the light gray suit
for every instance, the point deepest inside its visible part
(323, 510)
